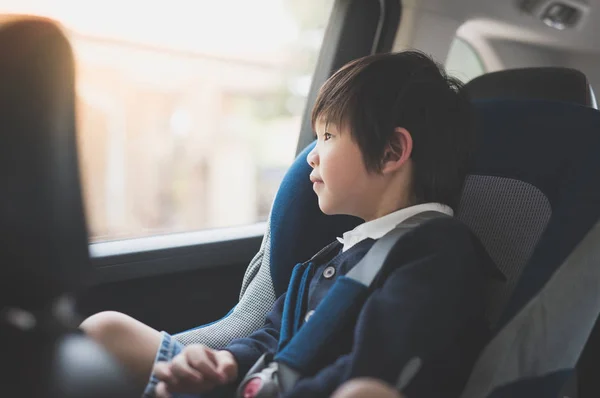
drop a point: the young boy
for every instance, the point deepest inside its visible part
(394, 138)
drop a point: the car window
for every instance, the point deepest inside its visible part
(463, 62)
(188, 111)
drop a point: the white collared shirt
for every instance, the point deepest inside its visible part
(375, 229)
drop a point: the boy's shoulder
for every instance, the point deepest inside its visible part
(441, 232)
(445, 237)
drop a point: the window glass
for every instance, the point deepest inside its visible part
(188, 111)
(463, 62)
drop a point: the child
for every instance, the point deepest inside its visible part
(394, 138)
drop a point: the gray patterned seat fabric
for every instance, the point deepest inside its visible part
(256, 299)
(508, 216)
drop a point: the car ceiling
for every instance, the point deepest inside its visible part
(503, 19)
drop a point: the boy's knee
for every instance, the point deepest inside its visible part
(365, 387)
(104, 325)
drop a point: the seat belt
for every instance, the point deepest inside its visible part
(272, 375)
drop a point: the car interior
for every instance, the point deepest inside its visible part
(162, 172)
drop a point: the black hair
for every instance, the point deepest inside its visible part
(375, 94)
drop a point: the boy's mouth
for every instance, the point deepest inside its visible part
(315, 180)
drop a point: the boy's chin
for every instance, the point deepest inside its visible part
(329, 210)
(333, 211)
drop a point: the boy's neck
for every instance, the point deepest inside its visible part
(390, 192)
(384, 210)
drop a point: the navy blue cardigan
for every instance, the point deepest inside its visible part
(428, 307)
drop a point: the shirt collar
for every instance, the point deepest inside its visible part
(375, 229)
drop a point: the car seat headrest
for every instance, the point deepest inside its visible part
(542, 83)
(44, 247)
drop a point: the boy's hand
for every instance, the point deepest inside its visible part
(195, 370)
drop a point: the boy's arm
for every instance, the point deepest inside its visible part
(423, 306)
(249, 349)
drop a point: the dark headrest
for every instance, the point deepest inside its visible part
(44, 248)
(547, 83)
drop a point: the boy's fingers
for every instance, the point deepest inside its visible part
(197, 354)
(162, 391)
(228, 370)
(162, 371)
(211, 355)
(226, 366)
(183, 373)
(203, 361)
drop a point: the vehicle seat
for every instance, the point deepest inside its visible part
(545, 83)
(532, 83)
(44, 245)
(549, 151)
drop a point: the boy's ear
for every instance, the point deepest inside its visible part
(398, 150)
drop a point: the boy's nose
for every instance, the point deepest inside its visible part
(312, 158)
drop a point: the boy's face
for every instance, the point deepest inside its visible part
(340, 177)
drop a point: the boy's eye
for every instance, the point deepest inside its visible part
(326, 136)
